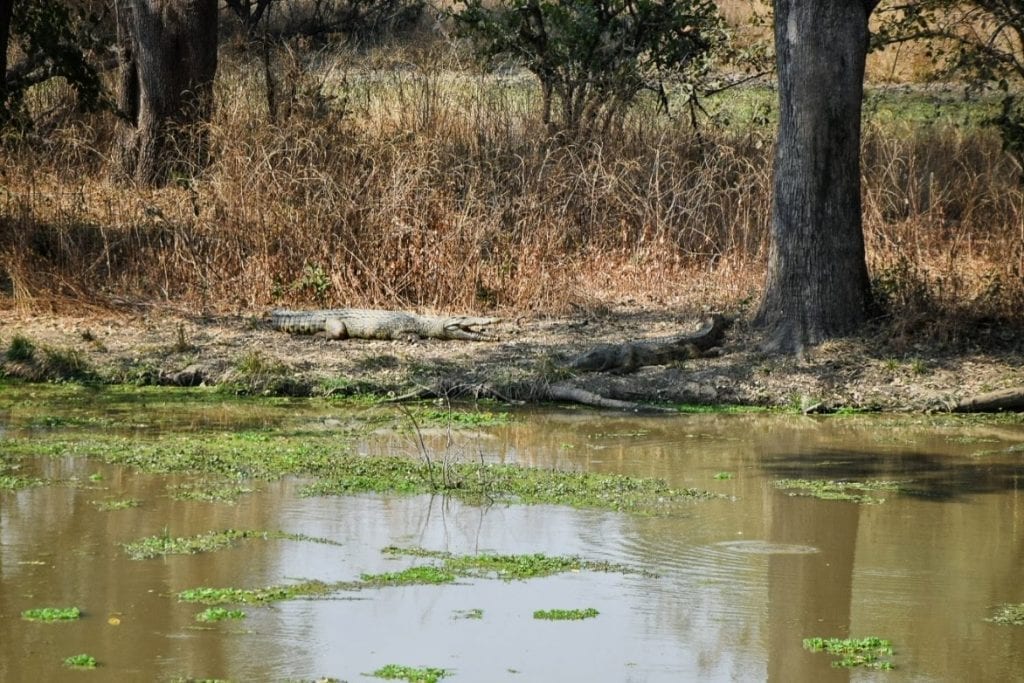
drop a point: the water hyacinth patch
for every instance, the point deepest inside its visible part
(52, 614)
(81, 661)
(566, 614)
(411, 674)
(854, 652)
(213, 614)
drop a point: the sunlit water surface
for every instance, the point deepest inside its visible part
(741, 580)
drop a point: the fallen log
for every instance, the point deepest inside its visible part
(1004, 400)
(630, 356)
(568, 394)
(559, 393)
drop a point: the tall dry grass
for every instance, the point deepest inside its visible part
(382, 182)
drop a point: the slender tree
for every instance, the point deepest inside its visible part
(6, 8)
(167, 59)
(817, 285)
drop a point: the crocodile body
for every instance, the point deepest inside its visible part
(631, 356)
(356, 323)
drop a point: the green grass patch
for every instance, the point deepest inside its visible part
(722, 476)
(256, 374)
(214, 614)
(887, 108)
(165, 544)
(112, 505)
(566, 614)
(52, 614)
(1009, 614)
(82, 661)
(854, 652)
(852, 491)
(411, 674)
(460, 418)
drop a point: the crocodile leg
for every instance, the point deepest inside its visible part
(334, 328)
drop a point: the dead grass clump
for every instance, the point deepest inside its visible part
(944, 212)
(25, 359)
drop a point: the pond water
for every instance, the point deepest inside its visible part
(741, 579)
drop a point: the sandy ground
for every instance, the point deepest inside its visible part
(162, 346)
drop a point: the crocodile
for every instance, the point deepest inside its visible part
(356, 323)
(628, 357)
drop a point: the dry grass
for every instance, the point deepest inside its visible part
(426, 185)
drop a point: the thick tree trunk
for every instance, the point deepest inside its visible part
(168, 59)
(817, 285)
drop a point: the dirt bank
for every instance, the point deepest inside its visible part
(162, 346)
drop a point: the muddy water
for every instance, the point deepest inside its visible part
(741, 580)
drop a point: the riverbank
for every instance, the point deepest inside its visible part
(243, 354)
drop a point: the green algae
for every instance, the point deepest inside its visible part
(119, 407)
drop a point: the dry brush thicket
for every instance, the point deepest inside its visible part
(388, 182)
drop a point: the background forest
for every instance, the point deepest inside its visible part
(394, 153)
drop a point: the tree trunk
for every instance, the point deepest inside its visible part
(168, 59)
(6, 8)
(817, 285)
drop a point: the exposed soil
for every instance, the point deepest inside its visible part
(162, 346)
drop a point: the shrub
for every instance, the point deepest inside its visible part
(21, 349)
(594, 57)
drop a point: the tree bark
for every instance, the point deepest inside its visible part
(168, 60)
(6, 9)
(817, 285)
